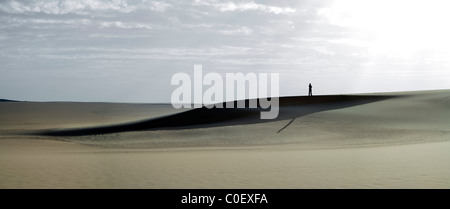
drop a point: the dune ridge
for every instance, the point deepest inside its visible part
(213, 117)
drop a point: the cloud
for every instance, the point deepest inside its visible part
(83, 39)
(125, 25)
(242, 30)
(246, 6)
(80, 7)
(21, 21)
(159, 6)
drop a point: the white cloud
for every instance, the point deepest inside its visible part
(125, 25)
(73, 23)
(81, 7)
(247, 6)
(242, 30)
(15, 22)
(159, 6)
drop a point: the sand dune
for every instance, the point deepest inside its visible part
(215, 117)
(392, 140)
(23, 117)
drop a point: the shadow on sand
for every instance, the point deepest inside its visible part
(290, 108)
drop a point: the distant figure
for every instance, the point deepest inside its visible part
(310, 90)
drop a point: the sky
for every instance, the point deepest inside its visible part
(127, 51)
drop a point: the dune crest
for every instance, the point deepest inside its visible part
(290, 108)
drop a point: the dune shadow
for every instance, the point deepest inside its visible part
(290, 109)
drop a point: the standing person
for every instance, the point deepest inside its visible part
(310, 90)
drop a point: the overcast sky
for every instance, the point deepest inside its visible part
(127, 51)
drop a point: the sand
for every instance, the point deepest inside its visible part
(390, 140)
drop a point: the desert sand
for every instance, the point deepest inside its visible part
(385, 140)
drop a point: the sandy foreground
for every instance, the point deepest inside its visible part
(400, 141)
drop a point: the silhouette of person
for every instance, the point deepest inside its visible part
(310, 90)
